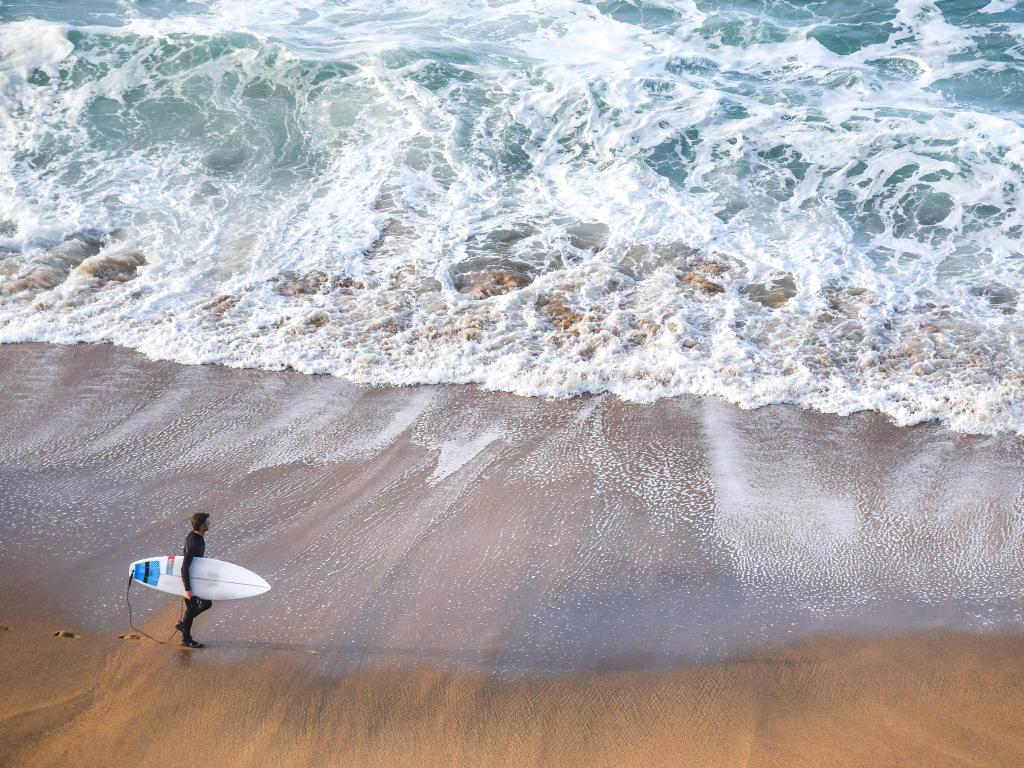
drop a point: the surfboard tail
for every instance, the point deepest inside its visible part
(146, 572)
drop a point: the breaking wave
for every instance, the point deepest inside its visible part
(819, 204)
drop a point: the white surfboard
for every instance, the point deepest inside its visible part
(210, 579)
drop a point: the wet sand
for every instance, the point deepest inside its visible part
(929, 701)
(469, 578)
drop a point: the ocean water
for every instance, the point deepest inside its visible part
(814, 202)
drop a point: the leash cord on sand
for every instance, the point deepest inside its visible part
(141, 632)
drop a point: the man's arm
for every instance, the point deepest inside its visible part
(185, 564)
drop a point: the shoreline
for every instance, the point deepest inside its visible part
(533, 534)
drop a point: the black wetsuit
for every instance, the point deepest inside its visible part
(195, 546)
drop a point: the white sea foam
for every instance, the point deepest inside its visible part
(998, 6)
(455, 454)
(542, 198)
(32, 44)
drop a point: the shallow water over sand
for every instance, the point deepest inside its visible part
(493, 532)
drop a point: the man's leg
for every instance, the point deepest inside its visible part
(190, 613)
(204, 605)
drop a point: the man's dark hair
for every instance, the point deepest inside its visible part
(198, 519)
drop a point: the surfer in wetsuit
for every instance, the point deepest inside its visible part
(195, 546)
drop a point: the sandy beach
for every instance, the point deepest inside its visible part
(462, 577)
(594, 384)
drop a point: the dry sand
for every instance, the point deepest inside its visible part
(489, 580)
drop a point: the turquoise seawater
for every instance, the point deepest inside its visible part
(810, 202)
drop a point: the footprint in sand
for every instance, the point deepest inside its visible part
(64, 633)
(129, 637)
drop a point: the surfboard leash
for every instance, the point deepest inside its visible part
(142, 632)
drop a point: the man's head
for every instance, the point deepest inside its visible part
(201, 522)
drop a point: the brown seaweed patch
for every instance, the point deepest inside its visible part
(318, 320)
(483, 285)
(463, 329)
(220, 304)
(848, 301)
(714, 268)
(113, 267)
(705, 276)
(772, 293)
(316, 281)
(643, 329)
(562, 317)
(699, 282)
(390, 324)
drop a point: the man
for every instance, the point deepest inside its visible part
(195, 546)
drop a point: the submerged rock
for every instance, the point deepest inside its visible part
(220, 304)
(640, 260)
(392, 237)
(707, 276)
(315, 282)
(459, 328)
(592, 236)
(116, 267)
(701, 283)
(1000, 296)
(848, 301)
(350, 284)
(772, 293)
(312, 282)
(643, 330)
(487, 284)
(41, 278)
(49, 269)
